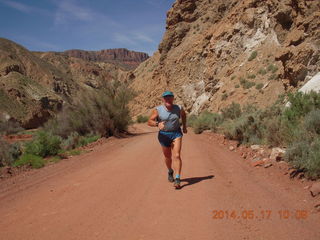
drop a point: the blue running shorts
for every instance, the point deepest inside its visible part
(166, 138)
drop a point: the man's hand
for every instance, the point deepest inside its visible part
(161, 125)
(185, 130)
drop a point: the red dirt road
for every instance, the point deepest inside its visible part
(120, 191)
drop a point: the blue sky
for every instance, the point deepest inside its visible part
(58, 25)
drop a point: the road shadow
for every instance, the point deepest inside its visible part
(128, 134)
(133, 134)
(194, 180)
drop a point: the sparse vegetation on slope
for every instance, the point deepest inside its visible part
(102, 114)
(253, 55)
(36, 85)
(142, 119)
(296, 127)
(8, 152)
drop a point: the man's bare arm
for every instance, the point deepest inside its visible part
(152, 120)
(184, 118)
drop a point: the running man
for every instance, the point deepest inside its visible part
(166, 117)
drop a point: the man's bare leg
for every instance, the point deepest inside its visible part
(168, 160)
(167, 155)
(176, 152)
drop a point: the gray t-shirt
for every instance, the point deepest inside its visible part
(171, 118)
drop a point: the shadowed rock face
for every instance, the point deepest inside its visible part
(129, 59)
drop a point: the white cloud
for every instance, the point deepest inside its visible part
(142, 37)
(68, 10)
(78, 19)
(18, 6)
(24, 7)
(132, 38)
(123, 39)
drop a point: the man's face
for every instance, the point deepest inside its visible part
(168, 100)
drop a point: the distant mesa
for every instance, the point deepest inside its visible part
(126, 58)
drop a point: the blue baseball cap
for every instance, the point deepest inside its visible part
(167, 93)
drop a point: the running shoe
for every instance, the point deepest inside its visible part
(170, 176)
(177, 183)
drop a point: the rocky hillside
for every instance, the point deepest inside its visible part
(215, 52)
(120, 56)
(35, 85)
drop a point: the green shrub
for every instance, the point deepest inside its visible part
(54, 159)
(296, 127)
(74, 140)
(206, 121)
(15, 150)
(312, 163)
(312, 122)
(224, 96)
(302, 129)
(9, 152)
(259, 86)
(247, 127)
(253, 55)
(300, 105)
(71, 142)
(251, 76)
(9, 127)
(251, 125)
(233, 77)
(103, 113)
(74, 152)
(272, 68)
(273, 77)
(237, 86)
(5, 157)
(242, 80)
(31, 160)
(142, 119)
(44, 144)
(232, 111)
(191, 119)
(306, 156)
(246, 84)
(262, 71)
(273, 133)
(85, 140)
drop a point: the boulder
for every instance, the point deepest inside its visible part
(257, 163)
(312, 85)
(317, 207)
(277, 154)
(255, 147)
(231, 148)
(267, 165)
(315, 189)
